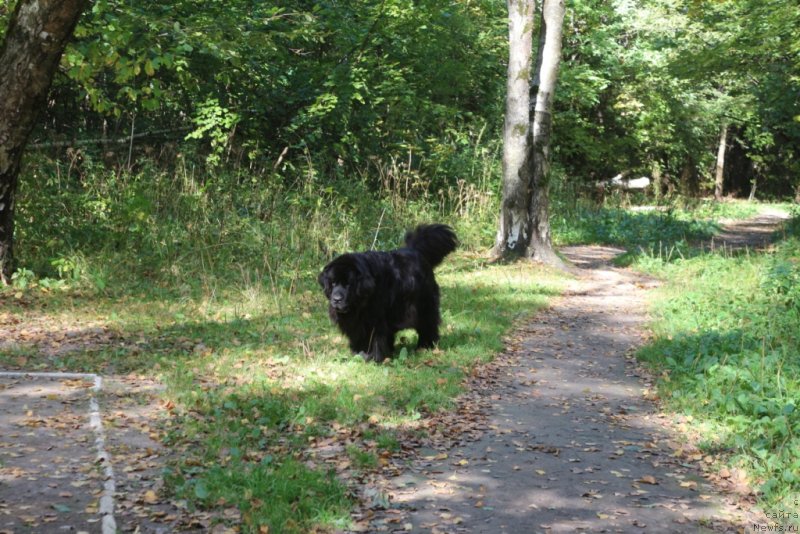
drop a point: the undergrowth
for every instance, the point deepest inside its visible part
(676, 223)
(187, 233)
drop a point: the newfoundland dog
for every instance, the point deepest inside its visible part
(372, 295)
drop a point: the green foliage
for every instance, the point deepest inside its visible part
(217, 124)
(645, 84)
(649, 82)
(273, 84)
(184, 232)
(727, 349)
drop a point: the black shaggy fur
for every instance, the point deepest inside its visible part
(372, 295)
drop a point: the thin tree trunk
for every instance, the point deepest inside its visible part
(514, 227)
(657, 181)
(35, 39)
(720, 167)
(540, 246)
(753, 185)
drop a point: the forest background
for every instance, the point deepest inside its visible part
(258, 109)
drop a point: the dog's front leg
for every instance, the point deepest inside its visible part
(381, 345)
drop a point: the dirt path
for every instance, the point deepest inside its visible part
(572, 442)
(48, 473)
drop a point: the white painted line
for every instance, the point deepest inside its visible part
(109, 525)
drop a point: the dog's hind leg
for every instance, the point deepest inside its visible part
(428, 337)
(428, 318)
(428, 329)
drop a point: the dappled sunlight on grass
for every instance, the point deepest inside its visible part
(616, 226)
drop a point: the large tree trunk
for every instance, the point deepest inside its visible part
(540, 246)
(37, 34)
(514, 227)
(719, 175)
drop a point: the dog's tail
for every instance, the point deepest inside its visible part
(433, 241)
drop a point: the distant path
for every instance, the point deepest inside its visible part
(755, 232)
(571, 442)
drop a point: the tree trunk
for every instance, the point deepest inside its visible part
(688, 179)
(540, 246)
(37, 34)
(753, 184)
(514, 227)
(720, 168)
(658, 182)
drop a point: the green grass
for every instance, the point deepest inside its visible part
(256, 380)
(677, 224)
(727, 350)
(209, 286)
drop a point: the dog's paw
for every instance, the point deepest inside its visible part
(371, 357)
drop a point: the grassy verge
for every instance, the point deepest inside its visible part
(727, 350)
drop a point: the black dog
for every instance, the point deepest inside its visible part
(372, 295)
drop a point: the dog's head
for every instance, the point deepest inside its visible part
(347, 283)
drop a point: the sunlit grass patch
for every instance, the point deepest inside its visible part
(665, 229)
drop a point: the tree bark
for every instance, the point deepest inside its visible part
(514, 228)
(753, 184)
(720, 167)
(658, 180)
(540, 246)
(37, 34)
(688, 179)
